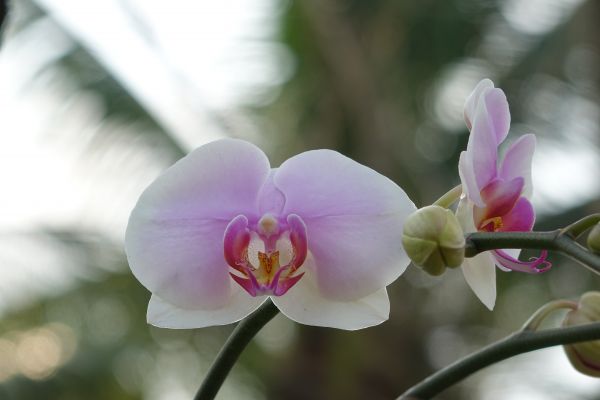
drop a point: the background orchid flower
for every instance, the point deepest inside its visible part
(495, 192)
(220, 231)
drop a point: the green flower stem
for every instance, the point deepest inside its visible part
(534, 322)
(579, 227)
(450, 197)
(517, 343)
(236, 343)
(478, 242)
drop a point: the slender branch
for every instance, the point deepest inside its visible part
(517, 343)
(534, 322)
(553, 240)
(577, 228)
(236, 343)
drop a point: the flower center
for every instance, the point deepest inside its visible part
(491, 224)
(266, 275)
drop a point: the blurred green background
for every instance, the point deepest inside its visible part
(97, 97)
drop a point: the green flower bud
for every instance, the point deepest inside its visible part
(585, 356)
(593, 240)
(434, 240)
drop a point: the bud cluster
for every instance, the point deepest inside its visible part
(434, 240)
(585, 356)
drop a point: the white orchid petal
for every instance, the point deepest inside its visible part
(166, 315)
(304, 304)
(480, 274)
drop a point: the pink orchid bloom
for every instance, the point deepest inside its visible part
(495, 192)
(221, 231)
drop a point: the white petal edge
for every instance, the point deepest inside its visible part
(166, 315)
(480, 274)
(304, 304)
(468, 180)
(473, 99)
(464, 214)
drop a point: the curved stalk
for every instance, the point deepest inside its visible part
(517, 343)
(233, 347)
(534, 322)
(577, 228)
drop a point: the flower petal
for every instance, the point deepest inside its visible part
(303, 303)
(498, 113)
(356, 255)
(482, 148)
(271, 200)
(473, 100)
(467, 178)
(325, 183)
(535, 265)
(354, 218)
(480, 274)
(500, 196)
(219, 180)
(464, 214)
(517, 162)
(520, 219)
(166, 315)
(174, 239)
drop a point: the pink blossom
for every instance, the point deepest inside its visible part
(495, 192)
(221, 231)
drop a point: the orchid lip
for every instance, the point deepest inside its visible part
(268, 277)
(535, 265)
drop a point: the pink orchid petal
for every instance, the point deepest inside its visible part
(491, 122)
(174, 239)
(180, 260)
(500, 196)
(482, 148)
(286, 284)
(535, 265)
(219, 180)
(480, 274)
(305, 304)
(354, 218)
(166, 315)
(514, 253)
(298, 239)
(498, 113)
(325, 183)
(235, 241)
(270, 198)
(468, 180)
(517, 162)
(473, 100)
(520, 219)
(356, 255)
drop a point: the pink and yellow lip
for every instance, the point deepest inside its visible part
(268, 277)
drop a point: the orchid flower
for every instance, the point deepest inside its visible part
(220, 232)
(495, 192)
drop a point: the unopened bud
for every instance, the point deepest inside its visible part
(593, 240)
(585, 356)
(434, 240)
